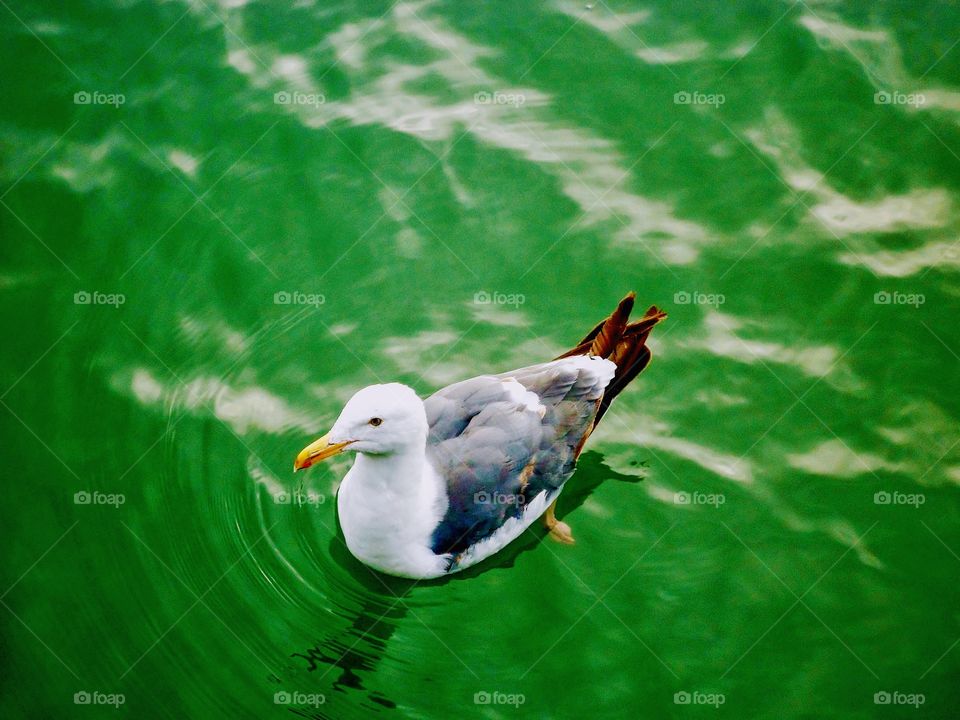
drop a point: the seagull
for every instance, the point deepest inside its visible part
(440, 484)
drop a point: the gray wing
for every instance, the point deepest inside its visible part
(501, 440)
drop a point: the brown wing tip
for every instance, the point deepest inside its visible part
(611, 330)
(603, 339)
(630, 352)
(651, 317)
(626, 305)
(654, 311)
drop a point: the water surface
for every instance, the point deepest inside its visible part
(220, 219)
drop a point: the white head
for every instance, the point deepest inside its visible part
(378, 420)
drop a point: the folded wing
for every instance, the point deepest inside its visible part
(502, 440)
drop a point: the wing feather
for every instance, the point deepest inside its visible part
(500, 441)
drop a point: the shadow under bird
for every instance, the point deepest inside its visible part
(440, 484)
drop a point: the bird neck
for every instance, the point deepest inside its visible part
(400, 471)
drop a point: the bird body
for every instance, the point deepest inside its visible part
(440, 484)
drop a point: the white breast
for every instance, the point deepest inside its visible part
(388, 520)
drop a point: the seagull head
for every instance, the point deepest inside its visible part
(378, 420)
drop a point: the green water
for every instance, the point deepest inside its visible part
(426, 154)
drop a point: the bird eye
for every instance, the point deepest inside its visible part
(375, 421)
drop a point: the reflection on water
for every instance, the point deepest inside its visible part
(296, 202)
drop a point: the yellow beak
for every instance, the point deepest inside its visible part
(318, 450)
